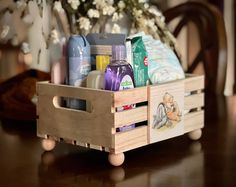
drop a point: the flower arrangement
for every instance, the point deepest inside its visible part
(84, 16)
(81, 17)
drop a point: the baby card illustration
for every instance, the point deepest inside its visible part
(166, 106)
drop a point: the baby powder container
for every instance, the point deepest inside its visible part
(95, 78)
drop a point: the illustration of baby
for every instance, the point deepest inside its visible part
(167, 112)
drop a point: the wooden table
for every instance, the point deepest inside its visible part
(175, 162)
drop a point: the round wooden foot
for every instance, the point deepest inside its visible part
(195, 135)
(48, 144)
(116, 159)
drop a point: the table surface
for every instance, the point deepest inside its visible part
(211, 161)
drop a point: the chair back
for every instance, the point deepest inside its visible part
(213, 43)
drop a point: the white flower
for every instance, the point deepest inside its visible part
(151, 24)
(162, 19)
(55, 36)
(137, 13)
(74, 4)
(108, 10)
(57, 6)
(20, 3)
(142, 1)
(142, 21)
(5, 31)
(154, 11)
(93, 13)
(116, 17)
(99, 3)
(84, 23)
(110, 2)
(25, 47)
(121, 5)
(146, 5)
(115, 28)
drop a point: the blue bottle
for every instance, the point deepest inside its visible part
(79, 65)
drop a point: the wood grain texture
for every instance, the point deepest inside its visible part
(193, 83)
(131, 116)
(96, 128)
(81, 126)
(194, 86)
(194, 101)
(171, 127)
(193, 121)
(131, 96)
(131, 139)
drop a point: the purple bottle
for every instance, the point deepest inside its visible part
(119, 76)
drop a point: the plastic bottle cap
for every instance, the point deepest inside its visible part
(102, 62)
(118, 52)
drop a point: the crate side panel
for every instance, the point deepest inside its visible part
(125, 141)
(94, 127)
(194, 101)
(166, 108)
(193, 83)
(131, 96)
(68, 124)
(130, 116)
(194, 121)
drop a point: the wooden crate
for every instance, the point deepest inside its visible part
(97, 128)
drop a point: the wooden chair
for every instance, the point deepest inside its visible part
(213, 46)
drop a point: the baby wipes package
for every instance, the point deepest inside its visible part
(140, 62)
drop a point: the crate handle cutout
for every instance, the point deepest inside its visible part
(100, 100)
(60, 102)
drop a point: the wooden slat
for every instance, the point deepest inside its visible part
(131, 139)
(194, 101)
(193, 83)
(130, 116)
(131, 96)
(193, 121)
